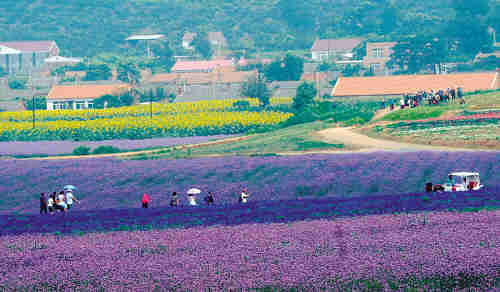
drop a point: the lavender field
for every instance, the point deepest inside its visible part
(112, 183)
(440, 250)
(65, 147)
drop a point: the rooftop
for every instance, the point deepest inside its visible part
(401, 84)
(30, 46)
(144, 37)
(86, 91)
(184, 66)
(203, 78)
(336, 44)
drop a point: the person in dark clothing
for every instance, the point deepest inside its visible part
(459, 93)
(174, 202)
(209, 198)
(43, 204)
(453, 94)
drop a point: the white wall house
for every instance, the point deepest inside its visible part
(81, 96)
(334, 49)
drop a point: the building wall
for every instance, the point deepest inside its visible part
(27, 62)
(54, 104)
(377, 56)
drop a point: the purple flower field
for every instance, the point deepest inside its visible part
(64, 147)
(313, 254)
(112, 183)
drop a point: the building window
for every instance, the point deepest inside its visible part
(59, 105)
(33, 59)
(90, 105)
(375, 67)
(80, 105)
(378, 53)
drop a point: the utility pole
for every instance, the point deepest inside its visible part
(32, 98)
(151, 106)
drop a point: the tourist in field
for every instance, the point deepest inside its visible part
(192, 200)
(209, 198)
(174, 201)
(43, 204)
(61, 202)
(70, 198)
(145, 200)
(50, 204)
(243, 196)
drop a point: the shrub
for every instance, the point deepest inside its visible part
(241, 104)
(17, 84)
(81, 150)
(104, 149)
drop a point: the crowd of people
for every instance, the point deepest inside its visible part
(428, 97)
(191, 199)
(61, 202)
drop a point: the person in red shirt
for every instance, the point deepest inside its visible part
(145, 200)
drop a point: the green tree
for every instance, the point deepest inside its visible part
(389, 20)
(290, 68)
(304, 96)
(256, 87)
(97, 72)
(298, 14)
(202, 46)
(3, 72)
(40, 103)
(351, 70)
(128, 73)
(164, 56)
(418, 53)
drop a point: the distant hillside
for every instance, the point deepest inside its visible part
(88, 27)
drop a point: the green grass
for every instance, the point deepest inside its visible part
(421, 113)
(294, 138)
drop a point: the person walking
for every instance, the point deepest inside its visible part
(43, 204)
(174, 201)
(145, 200)
(244, 196)
(61, 202)
(209, 198)
(192, 200)
(70, 198)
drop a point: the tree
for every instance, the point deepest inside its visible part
(256, 87)
(40, 103)
(2, 72)
(298, 14)
(164, 55)
(128, 73)
(289, 68)
(202, 45)
(389, 20)
(304, 96)
(351, 70)
(418, 53)
(97, 72)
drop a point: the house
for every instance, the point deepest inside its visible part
(401, 84)
(27, 56)
(202, 66)
(377, 56)
(216, 39)
(54, 62)
(328, 49)
(81, 96)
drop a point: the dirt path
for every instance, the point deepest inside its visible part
(349, 137)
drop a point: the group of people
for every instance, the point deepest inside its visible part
(61, 202)
(430, 97)
(191, 198)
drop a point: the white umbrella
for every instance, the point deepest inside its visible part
(69, 187)
(193, 191)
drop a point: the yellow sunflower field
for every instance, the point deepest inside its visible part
(176, 119)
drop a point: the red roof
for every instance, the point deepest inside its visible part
(336, 44)
(186, 66)
(401, 84)
(203, 78)
(84, 91)
(34, 46)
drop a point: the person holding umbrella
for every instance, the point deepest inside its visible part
(174, 202)
(244, 196)
(209, 198)
(68, 189)
(191, 196)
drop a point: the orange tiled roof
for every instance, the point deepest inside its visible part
(84, 91)
(203, 78)
(400, 84)
(201, 65)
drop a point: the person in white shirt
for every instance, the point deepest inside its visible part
(61, 202)
(50, 205)
(244, 196)
(192, 200)
(70, 198)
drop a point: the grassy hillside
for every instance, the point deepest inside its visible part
(85, 28)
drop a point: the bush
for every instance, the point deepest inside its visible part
(17, 84)
(104, 149)
(241, 104)
(81, 150)
(40, 103)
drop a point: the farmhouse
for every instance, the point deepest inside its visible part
(377, 55)
(334, 48)
(401, 84)
(26, 57)
(202, 66)
(81, 96)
